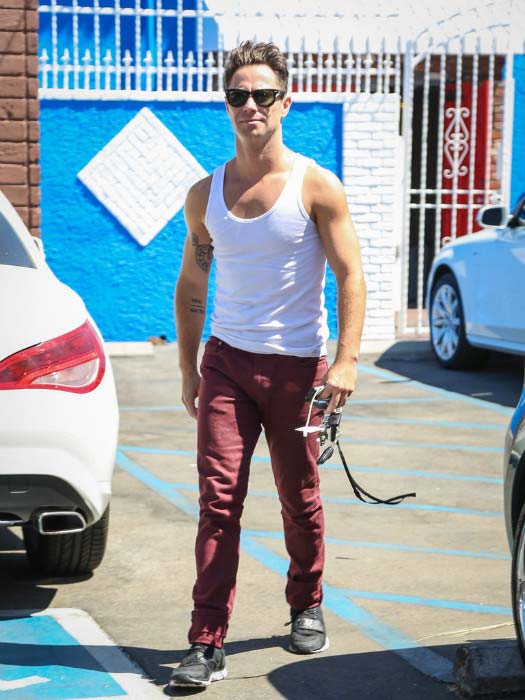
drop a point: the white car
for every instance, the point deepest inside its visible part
(476, 290)
(58, 411)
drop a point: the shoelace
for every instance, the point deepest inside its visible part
(309, 612)
(196, 652)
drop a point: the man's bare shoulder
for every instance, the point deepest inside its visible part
(318, 177)
(198, 194)
(322, 187)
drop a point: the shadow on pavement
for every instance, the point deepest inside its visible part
(499, 380)
(20, 587)
(369, 676)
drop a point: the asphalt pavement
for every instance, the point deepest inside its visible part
(406, 586)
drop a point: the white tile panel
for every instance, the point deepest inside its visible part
(142, 176)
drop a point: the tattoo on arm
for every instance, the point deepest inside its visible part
(197, 306)
(203, 253)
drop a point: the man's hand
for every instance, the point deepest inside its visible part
(339, 381)
(190, 391)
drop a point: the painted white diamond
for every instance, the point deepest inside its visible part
(142, 176)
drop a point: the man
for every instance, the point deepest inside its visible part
(271, 218)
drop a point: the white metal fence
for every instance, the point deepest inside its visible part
(159, 46)
(457, 130)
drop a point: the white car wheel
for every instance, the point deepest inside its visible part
(447, 326)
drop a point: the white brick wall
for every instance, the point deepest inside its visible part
(371, 175)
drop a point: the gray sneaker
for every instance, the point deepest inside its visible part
(202, 664)
(308, 635)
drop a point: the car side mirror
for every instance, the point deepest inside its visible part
(493, 215)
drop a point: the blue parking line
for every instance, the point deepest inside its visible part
(429, 422)
(41, 661)
(430, 445)
(431, 602)
(168, 491)
(332, 465)
(417, 473)
(421, 658)
(392, 547)
(342, 500)
(445, 393)
(347, 416)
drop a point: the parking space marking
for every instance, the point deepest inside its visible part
(385, 636)
(394, 471)
(191, 428)
(430, 602)
(430, 445)
(161, 487)
(390, 546)
(423, 659)
(340, 602)
(170, 493)
(62, 654)
(21, 683)
(429, 422)
(445, 393)
(332, 465)
(169, 488)
(386, 399)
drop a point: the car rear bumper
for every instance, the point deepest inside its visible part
(23, 498)
(58, 447)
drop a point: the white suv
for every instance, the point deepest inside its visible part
(58, 411)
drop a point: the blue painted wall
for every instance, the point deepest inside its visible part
(129, 289)
(518, 138)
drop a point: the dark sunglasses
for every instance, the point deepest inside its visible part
(265, 97)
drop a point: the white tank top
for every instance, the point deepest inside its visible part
(270, 273)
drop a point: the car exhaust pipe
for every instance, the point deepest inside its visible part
(60, 522)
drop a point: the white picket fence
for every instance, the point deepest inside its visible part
(337, 73)
(153, 49)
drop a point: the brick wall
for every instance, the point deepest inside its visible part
(19, 128)
(371, 175)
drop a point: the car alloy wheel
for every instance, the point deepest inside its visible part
(446, 321)
(447, 326)
(518, 583)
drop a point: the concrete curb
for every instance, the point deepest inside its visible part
(129, 349)
(402, 346)
(491, 670)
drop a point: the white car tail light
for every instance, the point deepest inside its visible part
(72, 362)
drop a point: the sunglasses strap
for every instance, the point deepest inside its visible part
(363, 495)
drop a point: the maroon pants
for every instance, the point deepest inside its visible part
(241, 392)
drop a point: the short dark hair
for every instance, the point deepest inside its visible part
(250, 54)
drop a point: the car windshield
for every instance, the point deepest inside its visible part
(12, 250)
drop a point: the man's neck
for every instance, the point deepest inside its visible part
(253, 162)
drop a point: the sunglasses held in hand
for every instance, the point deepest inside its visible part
(265, 97)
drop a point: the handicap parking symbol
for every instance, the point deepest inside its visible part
(64, 655)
